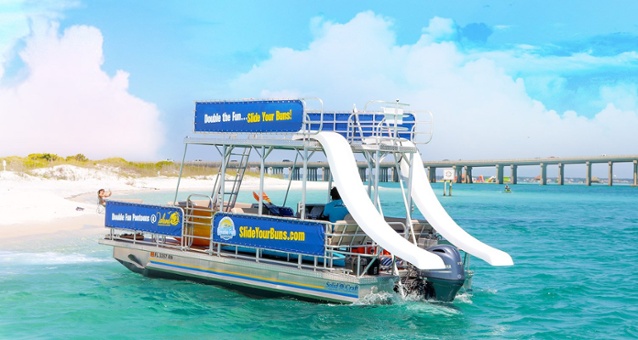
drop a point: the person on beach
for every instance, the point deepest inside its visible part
(335, 210)
(102, 195)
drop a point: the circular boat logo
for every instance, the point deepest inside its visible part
(226, 229)
(174, 219)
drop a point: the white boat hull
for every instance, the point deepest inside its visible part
(248, 275)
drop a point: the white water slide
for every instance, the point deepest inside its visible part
(431, 208)
(345, 173)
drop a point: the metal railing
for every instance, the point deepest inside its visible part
(347, 248)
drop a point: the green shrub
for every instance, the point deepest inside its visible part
(49, 157)
(78, 158)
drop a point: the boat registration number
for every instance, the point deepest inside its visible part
(161, 256)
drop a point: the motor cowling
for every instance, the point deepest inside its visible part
(443, 284)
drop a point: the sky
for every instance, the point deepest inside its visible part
(503, 79)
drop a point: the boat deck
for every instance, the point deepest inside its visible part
(346, 245)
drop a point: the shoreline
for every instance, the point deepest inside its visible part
(32, 205)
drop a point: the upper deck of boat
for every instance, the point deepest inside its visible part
(379, 126)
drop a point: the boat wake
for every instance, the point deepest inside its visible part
(432, 308)
(46, 258)
(464, 298)
(377, 298)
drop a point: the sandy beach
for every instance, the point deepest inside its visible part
(64, 198)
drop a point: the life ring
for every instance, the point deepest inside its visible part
(367, 249)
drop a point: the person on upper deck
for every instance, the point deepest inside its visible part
(335, 210)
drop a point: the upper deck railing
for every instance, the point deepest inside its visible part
(267, 118)
(359, 126)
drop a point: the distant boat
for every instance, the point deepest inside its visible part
(493, 179)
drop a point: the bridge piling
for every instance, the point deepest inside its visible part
(296, 174)
(384, 175)
(432, 174)
(458, 174)
(363, 174)
(312, 174)
(326, 174)
(610, 172)
(468, 174)
(499, 174)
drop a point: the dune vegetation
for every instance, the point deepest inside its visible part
(28, 164)
(34, 161)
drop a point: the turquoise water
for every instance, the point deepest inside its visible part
(574, 249)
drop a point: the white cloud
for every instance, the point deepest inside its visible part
(439, 29)
(67, 104)
(481, 110)
(14, 26)
(351, 59)
(15, 16)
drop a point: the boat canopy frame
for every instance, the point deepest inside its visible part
(374, 132)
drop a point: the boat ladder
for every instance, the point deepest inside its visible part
(235, 164)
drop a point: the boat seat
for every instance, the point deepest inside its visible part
(422, 228)
(396, 223)
(242, 205)
(315, 212)
(393, 120)
(274, 210)
(241, 208)
(253, 211)
(346, 232)
(201, 203)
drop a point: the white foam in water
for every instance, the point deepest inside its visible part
(463, 298)
(378, 298)
(432, 308)
(492, 291)
(46, 258)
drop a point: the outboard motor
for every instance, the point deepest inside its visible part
(443, 284)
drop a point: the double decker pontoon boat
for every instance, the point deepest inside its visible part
(270, 248)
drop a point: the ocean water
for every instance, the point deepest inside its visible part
(575, 277)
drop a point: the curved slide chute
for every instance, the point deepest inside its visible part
(431, 208)
(346, 177)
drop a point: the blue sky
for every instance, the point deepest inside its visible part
(502, 79)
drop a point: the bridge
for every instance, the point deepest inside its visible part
(462, 169)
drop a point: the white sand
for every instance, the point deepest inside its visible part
(64, 198)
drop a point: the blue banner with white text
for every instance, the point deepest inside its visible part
(249, 116)
(267, 232)
(144, 217)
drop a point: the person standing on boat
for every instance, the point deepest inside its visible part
(335, 210)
